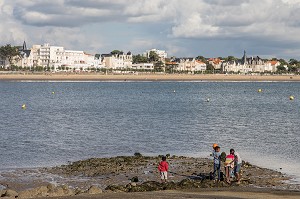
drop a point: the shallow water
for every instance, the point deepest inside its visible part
(100, 119)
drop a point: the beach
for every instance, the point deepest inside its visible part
(141, 77)
(199, 193)
(137, 177)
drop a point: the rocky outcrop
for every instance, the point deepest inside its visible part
(48, 191)
(94, 190)
(156, 186)
(8, 193)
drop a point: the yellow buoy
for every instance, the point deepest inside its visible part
(53, 92)
(24, 106)
(259, 90)
(291, 97)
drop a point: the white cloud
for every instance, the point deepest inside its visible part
(250, 18)
(268, 21)
(10, 30)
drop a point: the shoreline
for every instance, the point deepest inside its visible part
(146, 77)
(114, 175)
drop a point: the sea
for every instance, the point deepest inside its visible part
(61, 122)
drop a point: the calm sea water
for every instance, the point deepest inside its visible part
(99, 119)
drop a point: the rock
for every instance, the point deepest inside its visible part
(133, 184)
(94, 190)
(51, 187)
(116, 188)
(78, 191)
(169, 186)
(26, 194)
(151, 186)
(135, 179)
(10, 193)
(61, 191)
(37, 192)
(58, 191)
(2, 192)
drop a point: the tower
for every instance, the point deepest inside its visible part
(24, 46)
(244, 59)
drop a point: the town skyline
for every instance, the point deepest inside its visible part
(55, 58)
(209, 28)
(167, 55)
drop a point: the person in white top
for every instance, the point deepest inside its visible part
(237, 165)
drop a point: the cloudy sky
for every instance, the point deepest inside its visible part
(212, 28)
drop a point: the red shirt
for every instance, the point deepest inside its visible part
(163, 166)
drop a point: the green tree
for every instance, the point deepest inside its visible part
(114, 52)
(159, 66)
(10, 52)
(210, 68)
(293, 68)
(153, 56)
(283, 62)
(201, 58)
(293, 62)
(139, 59)
(281, 68)
(230, 58)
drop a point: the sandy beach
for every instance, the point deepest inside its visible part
(141, 77)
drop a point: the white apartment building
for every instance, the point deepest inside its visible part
(143, 66)
(161, 53)
(75, 59)
(56, 56)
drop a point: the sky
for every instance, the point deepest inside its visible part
(184, 28)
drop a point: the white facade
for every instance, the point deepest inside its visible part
(186, 64)
(143, 66)
(246, 68)
(118, 61)
(75, 59)
(161, 53)
(274, 64)
(4, 63)
(236, 67)
(189, 64)
(34, 55)
(200, 66)
(56, 56)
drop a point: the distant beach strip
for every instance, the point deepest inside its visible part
(145, 77)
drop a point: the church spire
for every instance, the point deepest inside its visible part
(24, 45)
(244, 57)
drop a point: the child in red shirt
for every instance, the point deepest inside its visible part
(163, 169)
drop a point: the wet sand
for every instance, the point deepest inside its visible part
(141, 77)
(199, 193)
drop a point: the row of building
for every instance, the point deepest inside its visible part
(57, 57)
